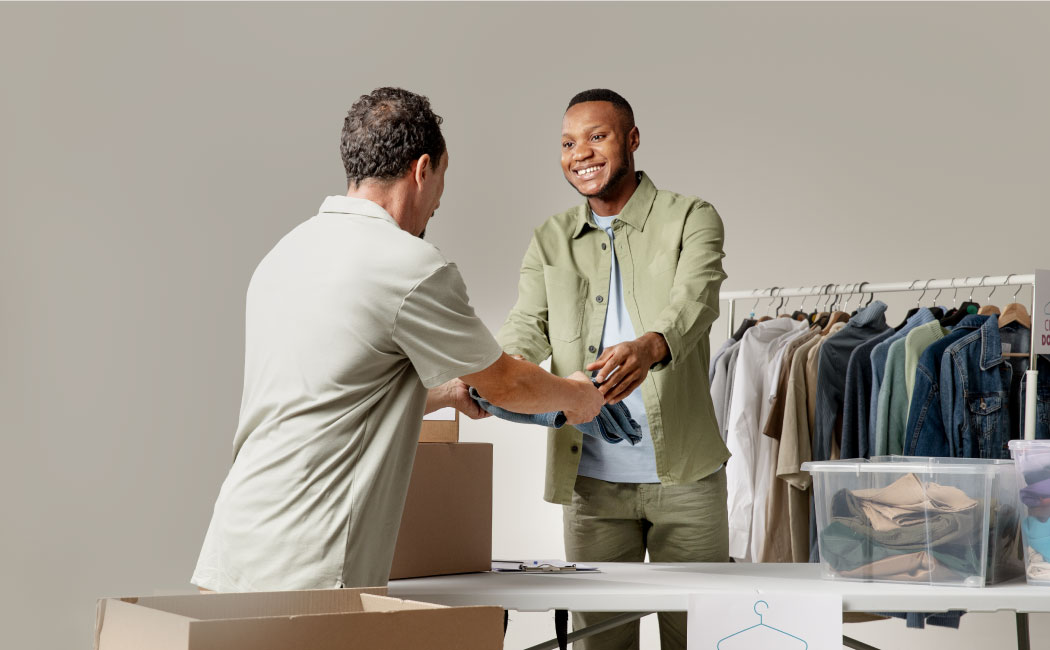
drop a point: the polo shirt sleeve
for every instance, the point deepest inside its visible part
(439, 332)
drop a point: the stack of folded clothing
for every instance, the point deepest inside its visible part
(908, 531)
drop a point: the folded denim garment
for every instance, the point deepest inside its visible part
(614, 423)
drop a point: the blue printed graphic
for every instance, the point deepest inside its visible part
(762, 636)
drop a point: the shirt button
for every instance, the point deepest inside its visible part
(599, 299)
(592, 349)
(574, 449)
(604, 246)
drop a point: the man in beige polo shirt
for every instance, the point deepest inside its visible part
(355, 327)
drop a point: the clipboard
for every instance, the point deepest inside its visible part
(541, 566)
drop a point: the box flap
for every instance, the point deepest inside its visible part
(371, 603)
(123, 625)
(467, 628)
(260, 604)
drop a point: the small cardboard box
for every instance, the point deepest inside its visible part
(440, 426)
(328, 619)
(446, 526)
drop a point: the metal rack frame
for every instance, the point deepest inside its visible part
(860, 288)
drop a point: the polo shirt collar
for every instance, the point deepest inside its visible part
(353, 205)
(634, 213)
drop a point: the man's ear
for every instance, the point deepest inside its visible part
(634, 139)
(421, 170)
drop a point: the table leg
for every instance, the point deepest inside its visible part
(855, 644)
(1023, 642)
(607, 624)
(561, 627)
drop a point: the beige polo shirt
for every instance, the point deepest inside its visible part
(349, 320)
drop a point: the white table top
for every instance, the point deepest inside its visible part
(649, 587)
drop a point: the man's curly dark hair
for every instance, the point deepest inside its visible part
(385, 131)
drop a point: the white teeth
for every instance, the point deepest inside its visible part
(582, 172)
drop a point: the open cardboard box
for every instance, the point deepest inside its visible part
(326, 619)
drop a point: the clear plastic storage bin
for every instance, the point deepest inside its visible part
(1032, 460)
(942, 521)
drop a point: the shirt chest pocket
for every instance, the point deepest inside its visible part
(566, 292)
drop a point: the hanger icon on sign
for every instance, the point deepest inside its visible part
(763, 636)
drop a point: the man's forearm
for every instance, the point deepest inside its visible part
(438, 397)
(524, 387)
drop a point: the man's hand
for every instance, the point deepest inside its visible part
(624, 366)
(588, 405)
(456, 394)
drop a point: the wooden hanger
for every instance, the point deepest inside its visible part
(989, 309)
(836, 317)
(1015, 313)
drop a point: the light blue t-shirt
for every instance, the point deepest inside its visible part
(620, 463)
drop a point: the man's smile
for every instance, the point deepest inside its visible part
(588, 172)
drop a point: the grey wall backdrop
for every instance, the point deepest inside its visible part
(151, 154)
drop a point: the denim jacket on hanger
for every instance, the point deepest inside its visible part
(976, 382)
(926, 434)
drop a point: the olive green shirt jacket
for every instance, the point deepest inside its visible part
(669, 250)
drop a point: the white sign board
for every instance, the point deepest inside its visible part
(765, 620)
(1041, 315)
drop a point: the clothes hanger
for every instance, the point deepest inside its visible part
(859, 305)
(837, 315)
(781, 304)
(767, 316)
(956, 315)
(938, 313)
(818, 309)
(1015, 312)
(914, 310)
(800, 313)
(990, 309)
(746, 324)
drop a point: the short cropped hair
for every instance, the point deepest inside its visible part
(606, 95)
(385, 131)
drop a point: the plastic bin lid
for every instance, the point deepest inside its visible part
(1039, 445)
(910, 464)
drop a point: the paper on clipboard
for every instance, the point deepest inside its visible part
(540, 566)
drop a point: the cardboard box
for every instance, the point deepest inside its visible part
(447, 523)
(440, 426)
(328, 619)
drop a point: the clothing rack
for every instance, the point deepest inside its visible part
(860, 288)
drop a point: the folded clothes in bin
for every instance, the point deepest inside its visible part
(907, 531)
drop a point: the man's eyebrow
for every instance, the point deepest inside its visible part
(586, 129)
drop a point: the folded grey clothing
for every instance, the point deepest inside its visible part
(614, 423)
(932, 530)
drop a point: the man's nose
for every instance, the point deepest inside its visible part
(581, 151)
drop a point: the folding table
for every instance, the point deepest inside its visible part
(639, 589)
